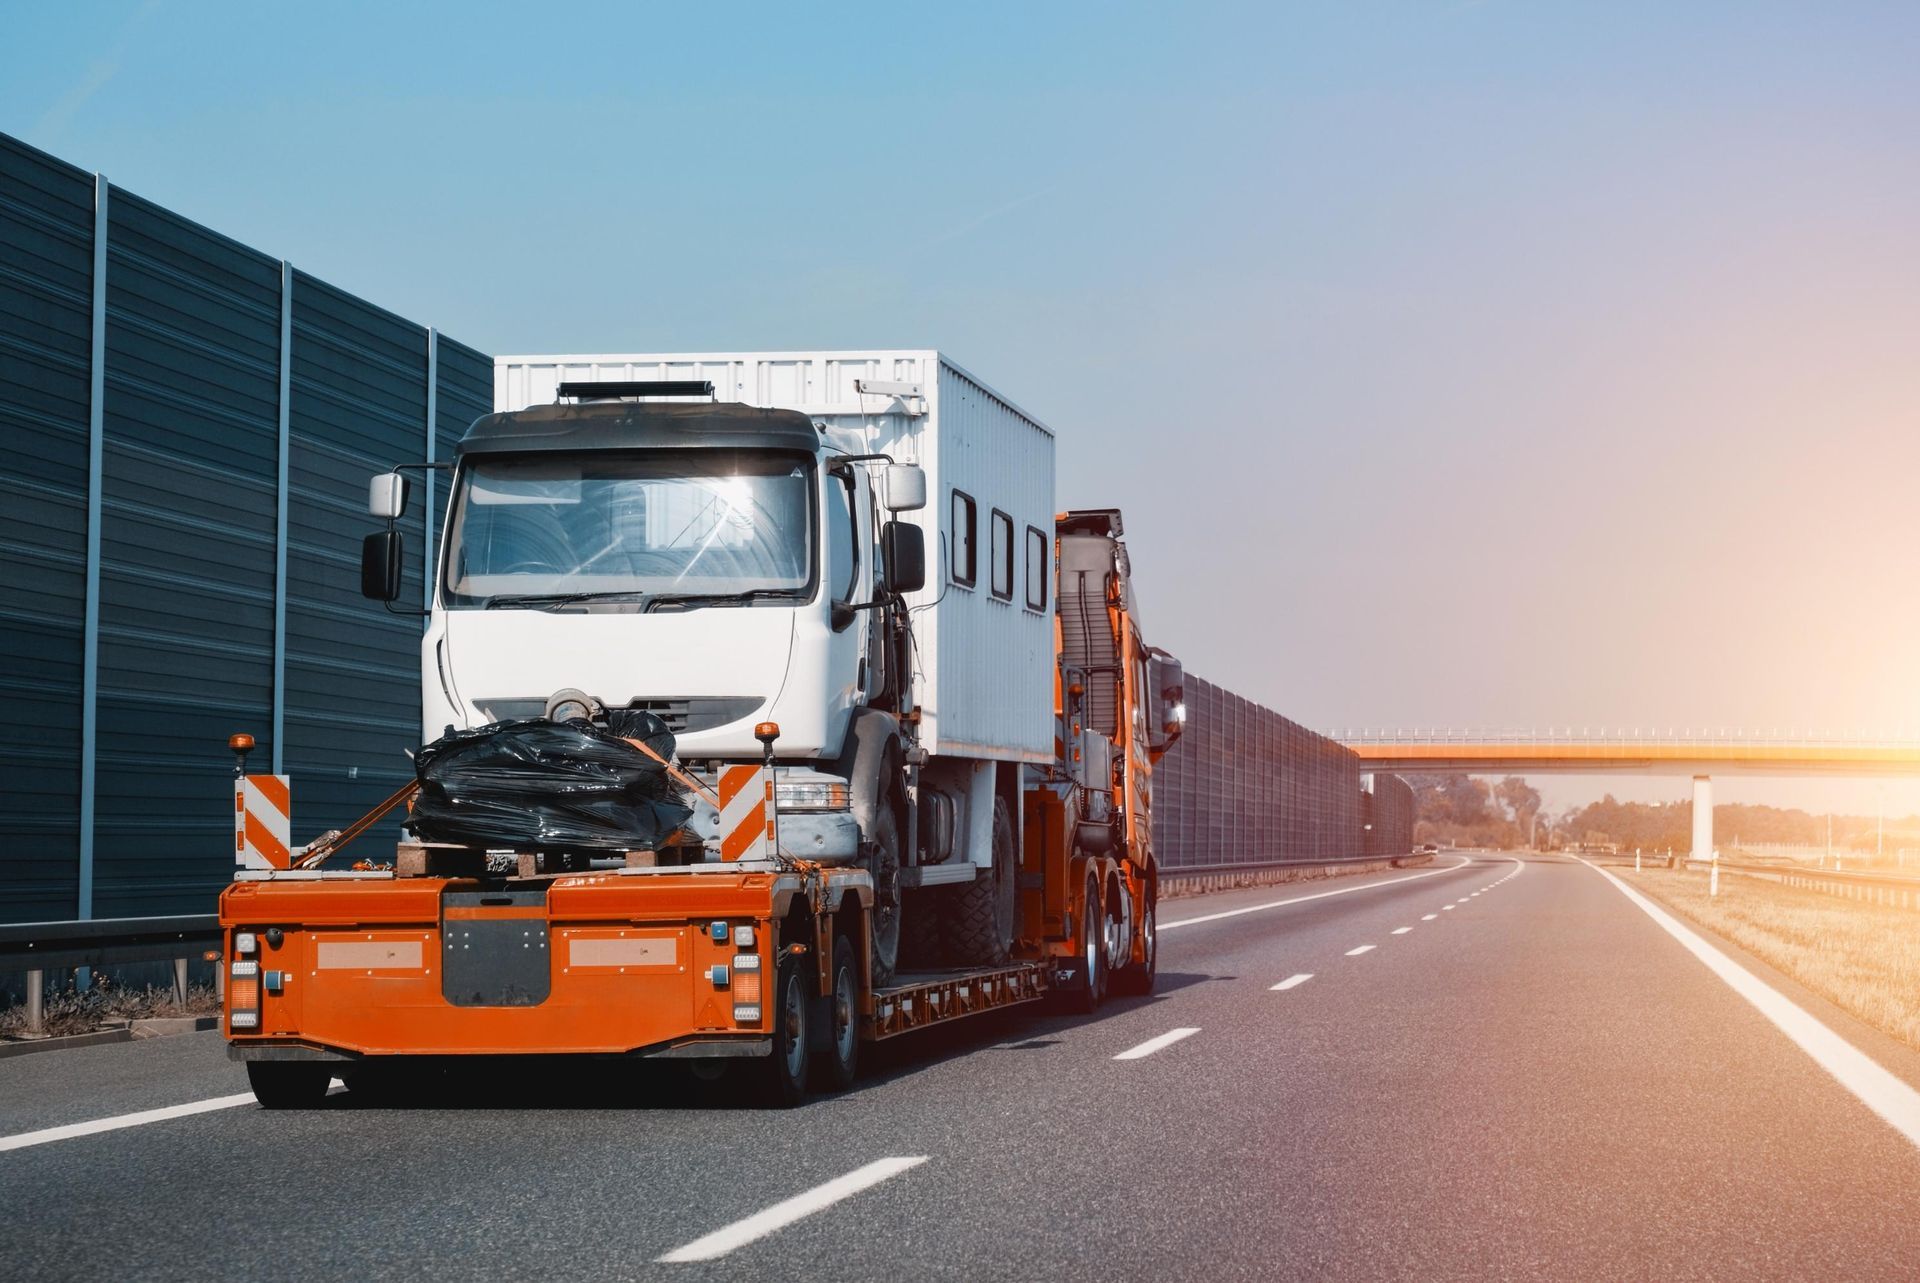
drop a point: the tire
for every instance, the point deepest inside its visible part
(836, 1061)
(288, 1084)
(1138, 977)
(1092, 990)
(783, 1074)
(980, 915)
(884, 864)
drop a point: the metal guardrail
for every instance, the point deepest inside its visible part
(39, 947)
(1891, 889)
(1176, 872)
(1680, 738)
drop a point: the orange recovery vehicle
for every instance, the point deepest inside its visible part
(754, 955)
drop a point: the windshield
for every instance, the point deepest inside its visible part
(649, 527)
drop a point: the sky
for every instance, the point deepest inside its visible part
(1455, 364)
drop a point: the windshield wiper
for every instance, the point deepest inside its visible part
(553, 601)
(693, 600)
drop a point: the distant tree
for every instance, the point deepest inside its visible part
(1521, 799)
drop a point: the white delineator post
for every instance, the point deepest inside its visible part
(1713, 876)
(1636, 859)
(1702, 818)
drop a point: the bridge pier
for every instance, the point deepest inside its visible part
(1702, 817)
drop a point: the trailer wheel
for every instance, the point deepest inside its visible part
(1093, 951)
(838, 1059)
(784, 1073)
(980, 916)
(1138, 977)
(288, 1084)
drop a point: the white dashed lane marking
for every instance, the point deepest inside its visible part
(784, 1213)
(1152, 1045)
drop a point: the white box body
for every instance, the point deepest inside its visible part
(985, 682)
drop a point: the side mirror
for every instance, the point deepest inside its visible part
(387, 496)
(906, 488)
(382, 554)
(903, 556)
(1167, 694)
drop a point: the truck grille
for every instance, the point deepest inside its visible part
(693, 713)
(700, 712)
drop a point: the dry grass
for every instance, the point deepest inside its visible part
(1863, 958)
(106, 1004)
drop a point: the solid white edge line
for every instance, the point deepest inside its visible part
(784, 1213)
(1291, 981)
(1152, 1045)
(1302, 899)
(47, 1135)
(1895, 1102)
(1354, 953)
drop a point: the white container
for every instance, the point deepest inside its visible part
(985, 681)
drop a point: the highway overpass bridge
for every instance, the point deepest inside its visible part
(1635, 752)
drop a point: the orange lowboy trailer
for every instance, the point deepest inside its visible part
(764, 961)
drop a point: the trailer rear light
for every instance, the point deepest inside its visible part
(746, 988)
(243, 996)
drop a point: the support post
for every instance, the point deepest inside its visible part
(433, 413)
(284, 429)
(180, 981)
(1702, 818)
(90, 638)
(36, 1002)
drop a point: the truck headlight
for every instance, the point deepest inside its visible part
(812, 795)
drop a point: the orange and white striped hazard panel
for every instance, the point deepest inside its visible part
(262, 822)
(747, 824)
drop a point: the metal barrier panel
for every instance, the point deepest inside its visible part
(1245, 785)
(359, 405)
(188, 427)
(46, 282)
(188, 499)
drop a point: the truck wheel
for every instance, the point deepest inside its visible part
(1138, 977)
(980, 915)
(836, 1063)
(1093, 951)
(884, 864)
(784, 1072)
(288, 1084)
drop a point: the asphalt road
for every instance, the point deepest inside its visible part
(1537, 1082)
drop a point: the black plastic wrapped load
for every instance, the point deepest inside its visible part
(536, 785)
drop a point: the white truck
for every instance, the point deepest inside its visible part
(732, 540)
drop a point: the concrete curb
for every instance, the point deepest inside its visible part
(166, 1026)
(138, 1030)
(94, 1039)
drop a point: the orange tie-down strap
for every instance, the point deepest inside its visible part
(678, 774)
